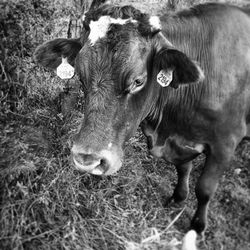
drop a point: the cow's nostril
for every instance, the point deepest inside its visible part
(86, 159)
(101, 168)
(103, 162)
(104, 165)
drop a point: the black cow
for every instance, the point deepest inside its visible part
(138, 69)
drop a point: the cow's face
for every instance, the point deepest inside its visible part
(114, 74)
(119, 66)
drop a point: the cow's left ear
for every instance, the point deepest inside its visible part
(50, 54)
(175, 68)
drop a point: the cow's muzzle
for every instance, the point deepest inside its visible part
(105, 162)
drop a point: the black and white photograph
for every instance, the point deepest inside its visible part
(124, 125)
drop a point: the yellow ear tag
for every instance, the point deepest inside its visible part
(65, 70)
(164, 77)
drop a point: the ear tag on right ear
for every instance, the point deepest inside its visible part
(165, 77)
(65, 70)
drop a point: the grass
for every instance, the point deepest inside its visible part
(46, 204)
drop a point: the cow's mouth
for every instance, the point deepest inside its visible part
(99, 167)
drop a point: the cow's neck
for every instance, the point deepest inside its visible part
(176, 109)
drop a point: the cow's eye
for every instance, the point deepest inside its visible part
(139, 82)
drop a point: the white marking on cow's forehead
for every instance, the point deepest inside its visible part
(99, 28)
(155, 22)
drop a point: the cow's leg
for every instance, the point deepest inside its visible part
(216, 162)
(182, 188)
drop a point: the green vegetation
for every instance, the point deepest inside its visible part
(45, 203)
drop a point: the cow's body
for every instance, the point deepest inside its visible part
(119, 70)
(213, 115)
(216, 112)
(217, 37)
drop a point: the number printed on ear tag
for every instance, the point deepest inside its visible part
(164, 78)
(65, 70)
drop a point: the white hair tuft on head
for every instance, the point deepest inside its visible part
(155, 22)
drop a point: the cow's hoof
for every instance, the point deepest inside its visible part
(198, 225)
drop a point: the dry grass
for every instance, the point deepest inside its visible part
(46, 204)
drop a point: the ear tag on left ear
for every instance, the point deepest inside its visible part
(165, 77)
(65, 70)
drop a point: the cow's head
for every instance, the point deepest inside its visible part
(124, 66)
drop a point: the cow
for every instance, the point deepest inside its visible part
(183, 77)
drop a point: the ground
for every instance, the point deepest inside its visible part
(46, 204)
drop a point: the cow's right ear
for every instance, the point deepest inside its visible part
(50, 54)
